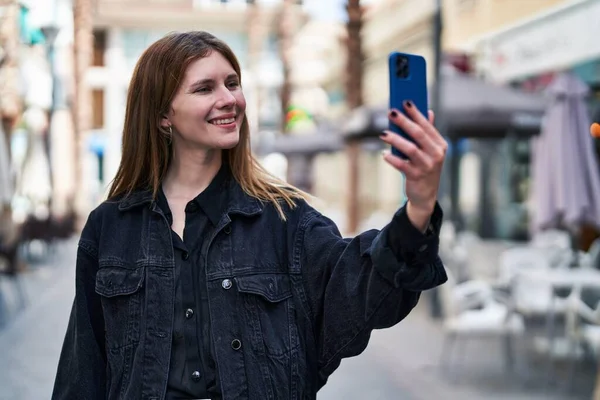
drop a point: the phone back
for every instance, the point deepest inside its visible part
(408, 81)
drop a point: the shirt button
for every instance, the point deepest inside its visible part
(226, 284)
(227, 230)
(185, 255)
(196, 376)
(189, 313)
(423, 248)
(236, 344)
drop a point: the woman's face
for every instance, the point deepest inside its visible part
(208, 108)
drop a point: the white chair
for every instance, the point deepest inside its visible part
(592, 257)
(472, 310)
(517, 259)
(583, 329)
(552, 238)
(456, 252)
(556, 246)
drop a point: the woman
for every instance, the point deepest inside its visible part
(202, 276)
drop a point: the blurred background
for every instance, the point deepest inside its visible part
(515, 85)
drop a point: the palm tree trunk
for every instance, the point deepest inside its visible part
(284, 33)
(255, 32)
(354, 99)
(354, 63)
(82, 111)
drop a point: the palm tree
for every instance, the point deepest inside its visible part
(81, 104)
(255, 32)
(354, 65)
(354, 99)
(284, 36)
(253, 27)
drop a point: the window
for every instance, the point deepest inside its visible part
(99, 48)
(97, 108)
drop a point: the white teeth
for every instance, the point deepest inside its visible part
(223, 121)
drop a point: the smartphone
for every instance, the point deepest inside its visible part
(408, 81)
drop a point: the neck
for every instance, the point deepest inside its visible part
(191, 172)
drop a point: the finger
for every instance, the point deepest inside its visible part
(412, 129)
(417, 156)
(420, 120)
(410, 171)
(438, 153)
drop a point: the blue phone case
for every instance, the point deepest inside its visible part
(408, 81)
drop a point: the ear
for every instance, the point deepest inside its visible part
(165, 122)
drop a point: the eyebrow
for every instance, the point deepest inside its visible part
(210, 81)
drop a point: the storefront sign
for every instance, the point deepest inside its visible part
(555, 41)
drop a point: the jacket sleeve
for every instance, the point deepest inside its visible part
(369, 282)
(81, 370)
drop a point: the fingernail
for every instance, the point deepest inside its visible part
(393, 113)
(408, 104)
(383, 134)
(385, 153)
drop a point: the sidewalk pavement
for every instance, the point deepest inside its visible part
(30, 344)
(399, 363)
(412, 350)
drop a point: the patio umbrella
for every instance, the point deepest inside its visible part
(566, 180)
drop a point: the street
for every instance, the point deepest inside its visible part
(400, 363)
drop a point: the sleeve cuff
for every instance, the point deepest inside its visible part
(410, 244)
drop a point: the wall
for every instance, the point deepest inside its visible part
(467, 20)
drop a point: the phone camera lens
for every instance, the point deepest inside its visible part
(402, 67)
(401, 61)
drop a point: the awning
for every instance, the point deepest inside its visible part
(471, 108)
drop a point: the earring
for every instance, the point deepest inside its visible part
(170, 135)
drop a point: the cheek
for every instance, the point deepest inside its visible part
(240, 100)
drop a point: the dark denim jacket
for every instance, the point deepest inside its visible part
(288, 300)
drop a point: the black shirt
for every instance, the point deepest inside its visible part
(192, 372)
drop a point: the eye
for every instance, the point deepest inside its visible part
(233, 84)
(202, 89)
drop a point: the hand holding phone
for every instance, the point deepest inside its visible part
(408, 82)
(418, 148)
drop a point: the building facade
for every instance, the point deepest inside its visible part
(509, 42)
(524, 50)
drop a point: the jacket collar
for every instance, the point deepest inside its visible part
(240, 202)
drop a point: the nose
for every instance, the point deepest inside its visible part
(226, 98)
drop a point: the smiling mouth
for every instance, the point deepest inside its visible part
(224, 121)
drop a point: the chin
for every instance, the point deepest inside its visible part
(230, 141)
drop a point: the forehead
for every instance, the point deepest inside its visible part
(213, 66)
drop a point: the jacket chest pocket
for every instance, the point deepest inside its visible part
(269, 312)
(120, 289)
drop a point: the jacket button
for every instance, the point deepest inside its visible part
(196, 376)
(226, 284)
(236, 344)
(185, 255)
(423, 248)
(189, 313)
(227, 229)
